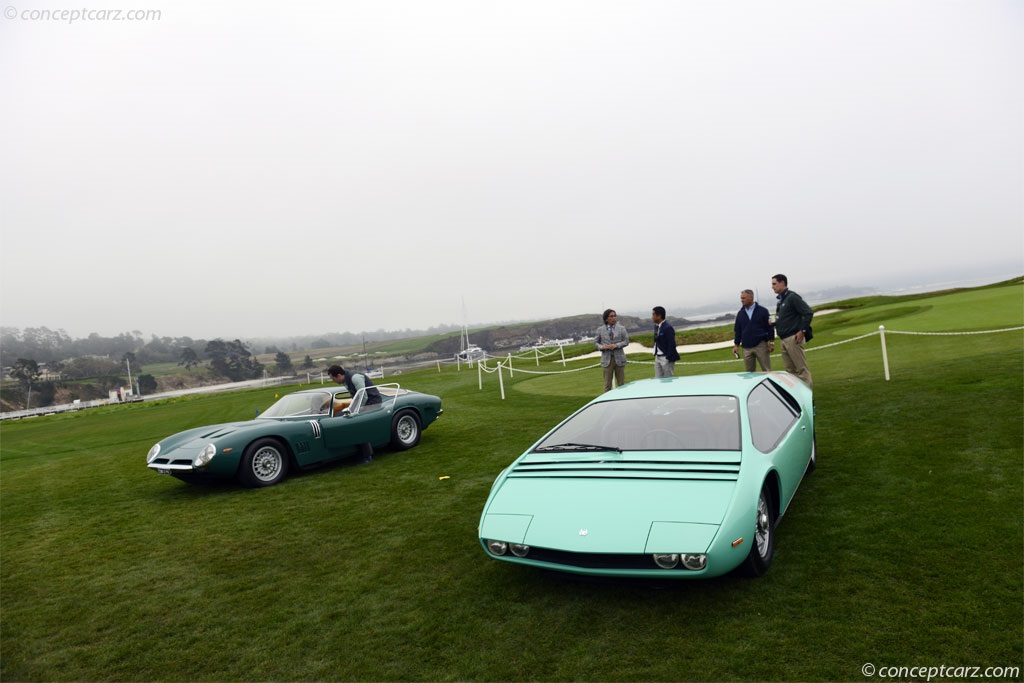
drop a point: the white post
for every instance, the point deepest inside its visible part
(536, 355)
(128, 363)
(501, 382)
(509, 366)
(480, 376)
(885, 355)
(438, 367)
(561, 349)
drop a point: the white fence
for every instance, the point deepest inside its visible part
(505, 364)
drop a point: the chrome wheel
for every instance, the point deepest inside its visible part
(762, 550)
(405, 430)
(763, 530)
(265, 463)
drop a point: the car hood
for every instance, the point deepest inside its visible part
(633, 503)
(201, 436)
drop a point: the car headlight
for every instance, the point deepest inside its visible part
(695, 562)
(666, 560)
(206, 455)
(497, 547)
(519, 549)
(153, 452)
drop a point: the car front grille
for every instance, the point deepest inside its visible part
(704, 470)
(592, 560)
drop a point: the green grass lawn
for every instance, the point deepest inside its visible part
(904, 548)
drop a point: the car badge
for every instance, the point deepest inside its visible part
(584, 532)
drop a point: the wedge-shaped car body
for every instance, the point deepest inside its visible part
(301, 430)
(664, 478)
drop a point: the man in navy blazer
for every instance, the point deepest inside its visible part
(665, 354)
(754, 333)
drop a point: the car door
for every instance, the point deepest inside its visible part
(780, 429)
(345, 433)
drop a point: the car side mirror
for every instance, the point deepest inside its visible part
(345, 412)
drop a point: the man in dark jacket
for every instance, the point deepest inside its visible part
(793, 325)
(754, 333)
(665, 354)
(354, 381)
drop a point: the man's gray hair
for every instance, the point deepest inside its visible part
(748, 291)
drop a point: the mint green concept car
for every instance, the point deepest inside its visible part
(680, 478)
(302, 430)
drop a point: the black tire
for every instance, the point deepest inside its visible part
(812, 464)
(762, 549)
(405, 430)
(265, 463)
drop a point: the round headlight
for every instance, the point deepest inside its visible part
(153, 452)
(666, 560)
(497, 547)
(206, 455)
(695, 562)
(519, 549)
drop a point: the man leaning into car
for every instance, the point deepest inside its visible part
(354, 381)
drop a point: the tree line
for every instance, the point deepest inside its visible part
(41, 362)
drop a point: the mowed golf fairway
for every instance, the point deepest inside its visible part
(904, 548)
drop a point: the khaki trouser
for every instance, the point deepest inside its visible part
(760, 354)
(794, 359)
(620, 375)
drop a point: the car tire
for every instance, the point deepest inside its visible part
(812, 464)
(405, 430)
(762, 550)
(265, 463)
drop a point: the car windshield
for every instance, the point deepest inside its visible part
(672, 423)
(304, 403)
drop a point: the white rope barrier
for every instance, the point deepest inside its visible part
(956, 334)
(507, 361)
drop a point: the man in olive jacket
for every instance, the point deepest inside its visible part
(793, 325)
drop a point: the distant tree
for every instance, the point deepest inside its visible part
(26, 371)
(307, 363)
(188, 358)
(147, 384)
(90, 366)
(233, 360)
(283, 362)
(44, 394)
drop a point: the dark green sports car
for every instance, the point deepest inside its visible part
(302, 430)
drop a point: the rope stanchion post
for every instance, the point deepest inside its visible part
(885, 354)
(501, 382)
(509, 367)
(561, 349)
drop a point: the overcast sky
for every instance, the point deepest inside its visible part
(273, 169)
